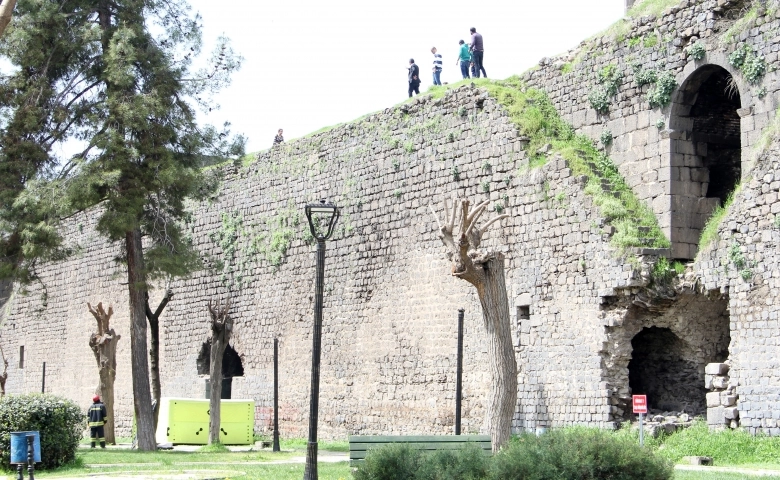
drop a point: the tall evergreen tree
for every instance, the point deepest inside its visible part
(116, 77)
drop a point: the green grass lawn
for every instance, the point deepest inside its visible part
(223, 464)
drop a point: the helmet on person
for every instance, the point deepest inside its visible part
(96, 398)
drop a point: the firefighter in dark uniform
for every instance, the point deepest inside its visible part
(97, 418)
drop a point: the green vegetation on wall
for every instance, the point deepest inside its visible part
(536, 118)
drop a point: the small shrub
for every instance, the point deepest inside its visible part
(397, 194)
(697, 51)
(606, 137)
(645, 76)
(59, 421)
(393, 462)
(661, 93)
(753, 68)
(599, 99)
(409, 147)
(462, 111)
(486, 166)
(578, 454)
(738, 56)
(610, 76)
(650, 41)
(455, 173)
(665, 270)
(486, 186)
(660, 123)
(498, 208)
(467, 464)
(634, 41)
(396, 164)
(451, 137)
(761, 92)
(609, 79)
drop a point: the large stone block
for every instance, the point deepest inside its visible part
(715, 416)
(716, 368)
(713, 399)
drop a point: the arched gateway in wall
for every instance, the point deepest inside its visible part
(705, 161)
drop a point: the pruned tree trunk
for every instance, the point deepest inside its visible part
(4, 375)
(103, 345)
(221, 328)
(6, 12)
(142, 398)
(485, 270)
(154, 350)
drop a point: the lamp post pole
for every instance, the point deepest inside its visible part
(328, 214)
(276, 396)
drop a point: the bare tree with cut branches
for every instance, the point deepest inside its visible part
(485, 270)
(221, 329)
(103, 345)
(4, 375)
(154, 349)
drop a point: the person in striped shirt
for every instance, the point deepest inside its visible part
(436, 67)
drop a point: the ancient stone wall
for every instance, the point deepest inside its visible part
(671, 156)
(579, 309)
(389, 336)
(661, 151)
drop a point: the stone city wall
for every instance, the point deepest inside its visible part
(389, 336)
(580, 312)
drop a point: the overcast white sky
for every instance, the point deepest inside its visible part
(309, 64)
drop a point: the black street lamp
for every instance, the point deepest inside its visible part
(322, 218)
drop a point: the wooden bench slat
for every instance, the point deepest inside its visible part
(361, 445)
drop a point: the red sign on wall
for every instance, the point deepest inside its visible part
(640, 403)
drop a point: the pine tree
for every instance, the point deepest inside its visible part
(116, 76)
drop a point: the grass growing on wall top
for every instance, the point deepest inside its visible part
(535, 117)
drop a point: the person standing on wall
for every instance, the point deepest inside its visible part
(437, 65)
(477, 52)
(279, 138)
(464, 59)
(414, 78)
(97, 419)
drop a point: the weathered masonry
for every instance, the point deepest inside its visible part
(590, 325)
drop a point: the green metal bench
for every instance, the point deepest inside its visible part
(360, 445)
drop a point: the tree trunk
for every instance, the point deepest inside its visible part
(142, 398)
(503, 366)
(6, 12)
(221, 327)
(154, 349)
(103, 344)
(485, 270)
(4, 375)
(154, 358)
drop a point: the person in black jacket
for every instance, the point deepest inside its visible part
(414, 78)
(97, 418)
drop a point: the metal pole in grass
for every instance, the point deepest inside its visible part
(322, 218)
(276, 395)
(459, 375)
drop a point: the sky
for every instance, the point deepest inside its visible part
(310, 64)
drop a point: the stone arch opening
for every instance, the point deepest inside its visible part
(232, 366)
(705, 161)
(661, 369)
